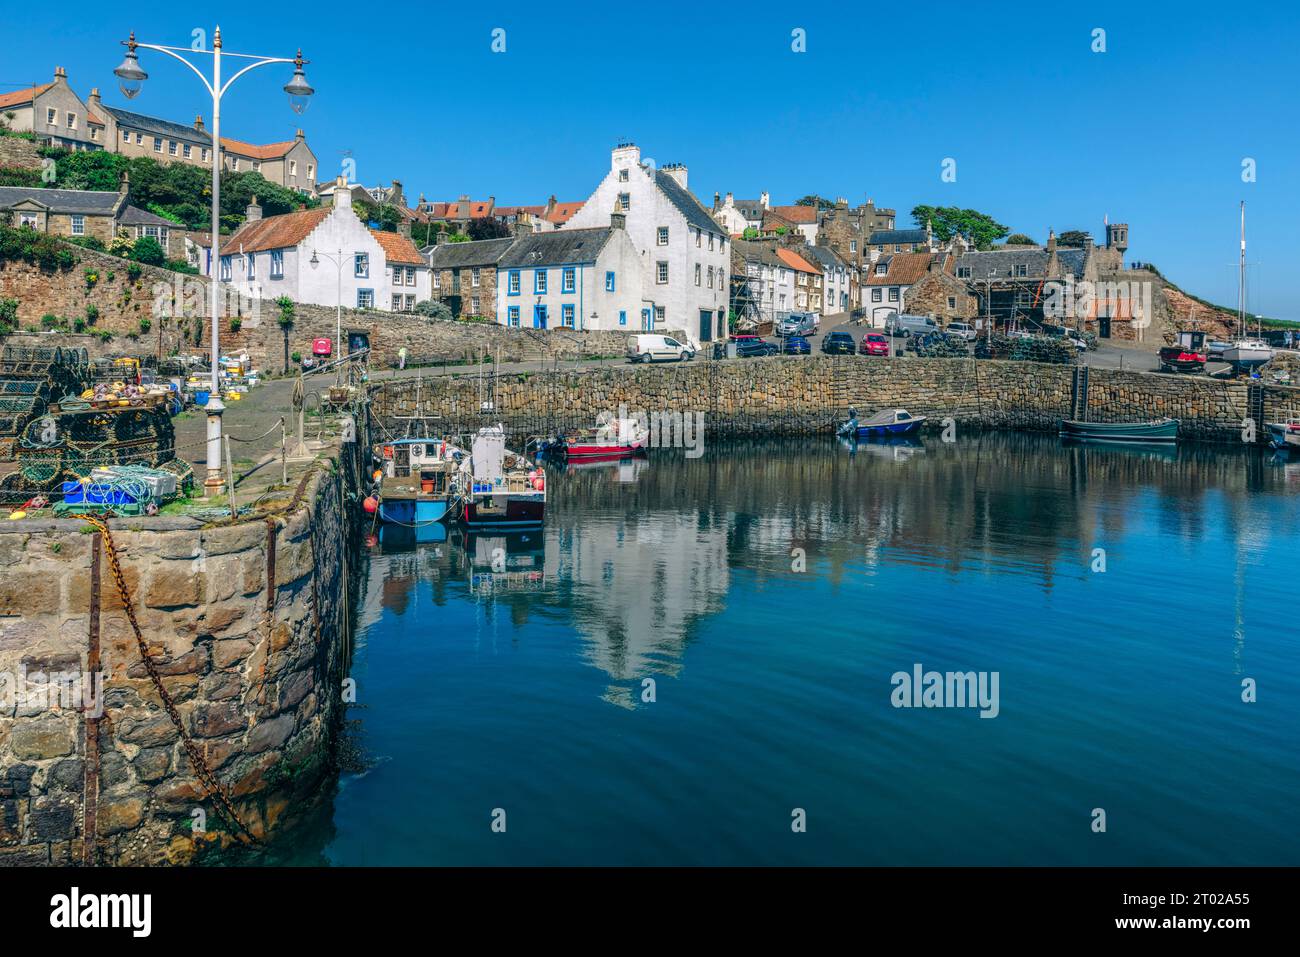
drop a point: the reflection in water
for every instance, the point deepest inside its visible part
(488, 664)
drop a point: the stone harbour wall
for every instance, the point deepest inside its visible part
(247, 626)
(796, 395)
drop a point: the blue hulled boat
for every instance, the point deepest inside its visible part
(416, 481)
(885, 423)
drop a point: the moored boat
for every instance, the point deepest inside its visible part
(614, 439)
(415, 481)
(886, 422)
(1285, 435)
(498, 488)
(1154, 430)
(1248, 353)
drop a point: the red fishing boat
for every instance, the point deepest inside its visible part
(615, 439)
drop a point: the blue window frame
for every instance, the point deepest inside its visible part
(609, 281)
(622, 315)
(514, 282)
(569, 280)
(512, 315)
(361, 265)
(225, 269)
(365, 299)
(277, 263)
(252, 265)
(566, 314)
(539, 317)
(539, 280)
(646, 321)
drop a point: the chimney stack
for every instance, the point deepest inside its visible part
(252, 212)
(124, 184)
(60, 74)
(198, 123)
(404, 228)
(617, 219)
(299, 136)
(764, 199)
(342, 194)
(441, 238)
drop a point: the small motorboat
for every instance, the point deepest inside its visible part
(612, 439)
(415, 480)
(1155, 430)
(1285, 435)
(886, 422)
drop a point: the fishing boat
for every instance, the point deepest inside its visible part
(613, 439)
(886, 422)
(1285, 435)
(416, 480)
(1154, 430)
(497, 488)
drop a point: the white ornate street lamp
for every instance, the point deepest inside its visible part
(130, 79)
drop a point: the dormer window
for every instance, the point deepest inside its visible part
(882, 269)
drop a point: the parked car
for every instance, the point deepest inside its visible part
(796, 346)
(754, 346)
(905, 325)
(962, 330)
(797, 324)
(838, 343)
(874, 344)
(647, 347)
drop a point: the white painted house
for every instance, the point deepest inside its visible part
(768, 289)
(269, 257)
(685, 253)
(837, 279)
(573, 279)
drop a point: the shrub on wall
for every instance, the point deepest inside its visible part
(8, 316)
(40, 249)
(149, 251)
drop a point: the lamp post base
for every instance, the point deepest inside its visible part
(215, 483)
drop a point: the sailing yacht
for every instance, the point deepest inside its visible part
(1246, 353)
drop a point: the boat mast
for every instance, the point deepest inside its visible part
(1241, 276)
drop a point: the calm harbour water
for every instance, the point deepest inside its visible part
(522, 690)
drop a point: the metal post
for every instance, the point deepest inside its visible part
(230, 473)
(284, 453)
(215, 407)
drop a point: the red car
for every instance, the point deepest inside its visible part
(874, 344)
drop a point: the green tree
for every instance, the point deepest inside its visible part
(1020, 239)
(1074, 238)
(149, 251)
(948, 221)
(286, 306)
(812, 199)
(489, 227)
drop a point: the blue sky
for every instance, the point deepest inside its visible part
(1045, 132)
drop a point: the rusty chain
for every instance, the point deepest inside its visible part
(201, 769)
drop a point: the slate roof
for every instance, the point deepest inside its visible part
(135, 216)
(157, 127)
(891, 237)
(484, 252)
(1001, 262)
(825, 256)
(276, 232)
(95, 202)
(557, 248)
(748, 251)
(751, 209)
(902, 269)
(686, 203)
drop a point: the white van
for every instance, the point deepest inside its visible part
(649, 347)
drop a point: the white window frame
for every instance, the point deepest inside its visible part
(661, 236)
(661, 272)
(78, 225)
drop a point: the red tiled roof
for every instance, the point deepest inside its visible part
(903, 270)
(92, 118)
(795, 261)
(397, 248)
(800, 215)
(276, 232)
(18, 97)
(564, 211)
(269, 151)
(516, 210)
